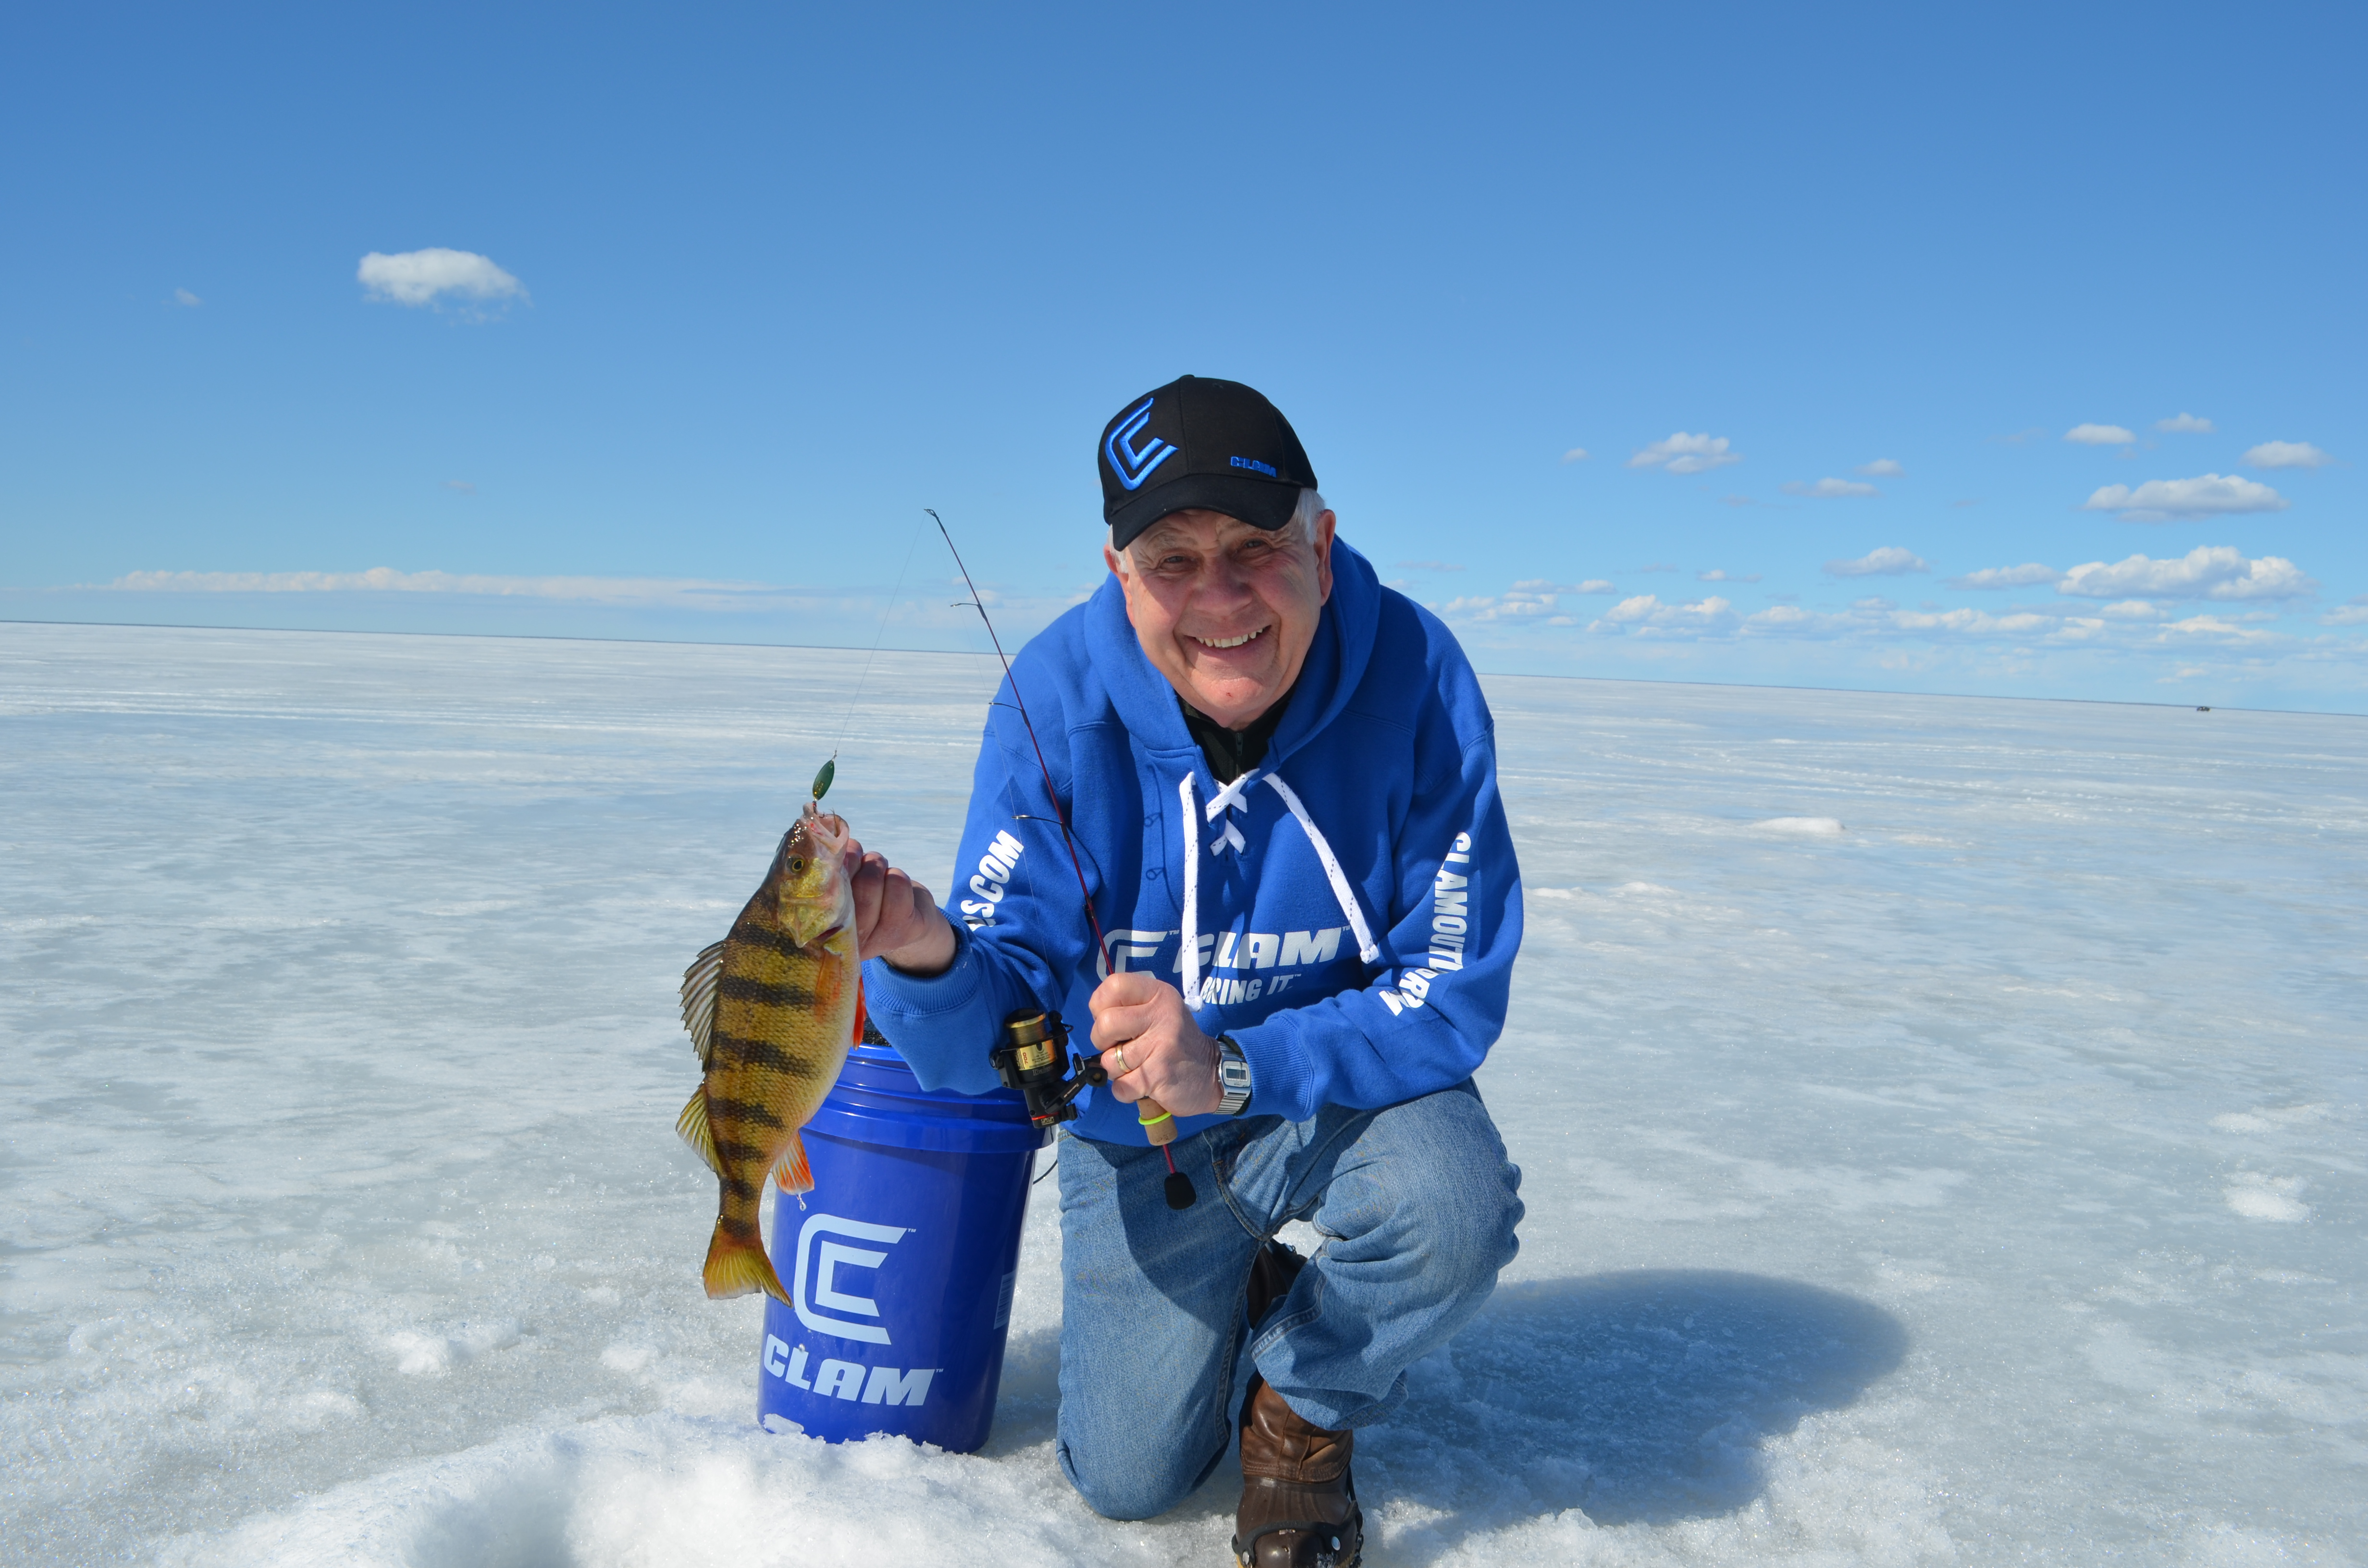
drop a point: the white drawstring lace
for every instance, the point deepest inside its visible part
(1231, 798)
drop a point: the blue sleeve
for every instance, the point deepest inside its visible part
(1018, 919)
(1425, 1019)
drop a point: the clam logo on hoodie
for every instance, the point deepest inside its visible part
(1244, 952)
(829, 1306)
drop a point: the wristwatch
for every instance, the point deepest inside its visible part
(1233, 1077)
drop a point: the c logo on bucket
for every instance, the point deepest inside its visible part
(821, 1262)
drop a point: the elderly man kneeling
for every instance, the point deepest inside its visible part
(1281, 778)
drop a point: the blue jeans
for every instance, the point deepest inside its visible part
(1416, 1204)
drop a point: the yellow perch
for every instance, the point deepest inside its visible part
(772, 1009)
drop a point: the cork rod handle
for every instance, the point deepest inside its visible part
(1158, 1126)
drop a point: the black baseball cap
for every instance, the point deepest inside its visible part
(1200, 442)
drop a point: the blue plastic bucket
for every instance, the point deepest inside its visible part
(902, 1262)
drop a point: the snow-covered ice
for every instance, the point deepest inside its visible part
(1941, 1123)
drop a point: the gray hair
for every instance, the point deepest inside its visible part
(1300, 528)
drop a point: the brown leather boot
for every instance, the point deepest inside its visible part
(1299, 1503)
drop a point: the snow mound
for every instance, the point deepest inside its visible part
(1801, 827)
(2259, 1196)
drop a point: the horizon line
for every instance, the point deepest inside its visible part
(967, 653)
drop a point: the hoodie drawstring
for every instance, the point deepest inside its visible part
(1232, 797)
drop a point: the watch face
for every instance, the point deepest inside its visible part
(1234, 1074)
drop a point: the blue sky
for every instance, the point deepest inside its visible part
(1819, 294)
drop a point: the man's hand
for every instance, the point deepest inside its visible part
(895, 919)
(1142, 1026)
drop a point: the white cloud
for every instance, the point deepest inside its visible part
(2354, 614)
(1683, 453)
(1645, 615)
(2205, 495)
(1576, 455)
(466, 488)
(2207, 571)
(1783, 617)
(2100, 436)
(2213, 625)
(1889, 562)
(422, 276)
(1716, 575)
(2285, 454)
(2184, 423)
(1877, 603)
(677, 591)
(1829, 488)
(2021, 576)
(1548, 585)
(1973, 622)
(1522, 601)
(183, 297)
(1882, 468)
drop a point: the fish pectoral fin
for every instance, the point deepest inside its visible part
(792, 1176)
(862, 1019)
(698, 982)
(693, 1125)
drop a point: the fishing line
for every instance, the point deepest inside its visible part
(1060, 815)
(879, 637)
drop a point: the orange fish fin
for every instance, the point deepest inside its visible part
(737, 1266)
(791, 1174)
(693, 1125)
(862, 1018)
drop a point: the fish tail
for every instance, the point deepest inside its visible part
(736, 1266)
(791, 1176)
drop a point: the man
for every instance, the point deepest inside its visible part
(1281, 780)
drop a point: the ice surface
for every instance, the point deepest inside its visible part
(1941, 1125)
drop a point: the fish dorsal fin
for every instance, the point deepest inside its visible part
(693, 1125)
(699, 998)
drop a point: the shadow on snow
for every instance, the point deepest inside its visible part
(1638, 1397)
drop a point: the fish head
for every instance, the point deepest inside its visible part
(816, 896)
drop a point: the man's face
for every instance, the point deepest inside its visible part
(1226, 611)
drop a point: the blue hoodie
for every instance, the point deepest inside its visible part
(1352, 905)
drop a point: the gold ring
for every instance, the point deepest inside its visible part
(1120, 1051)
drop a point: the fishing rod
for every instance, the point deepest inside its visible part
(1032, 1059)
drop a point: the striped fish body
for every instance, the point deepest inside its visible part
(773, 1009)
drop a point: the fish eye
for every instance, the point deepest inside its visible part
(797, 864)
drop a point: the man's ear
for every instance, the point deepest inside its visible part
(1324, 523)
(1110, 560)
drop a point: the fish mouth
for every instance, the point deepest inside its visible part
(1223, 645)
(826, 831)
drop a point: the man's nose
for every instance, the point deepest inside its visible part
(1222, 579)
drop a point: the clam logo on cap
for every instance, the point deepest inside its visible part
(1133, 466)
(821, 1262)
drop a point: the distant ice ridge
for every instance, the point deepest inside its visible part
(1974, 1182)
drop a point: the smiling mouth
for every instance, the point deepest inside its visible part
(1243, 640)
